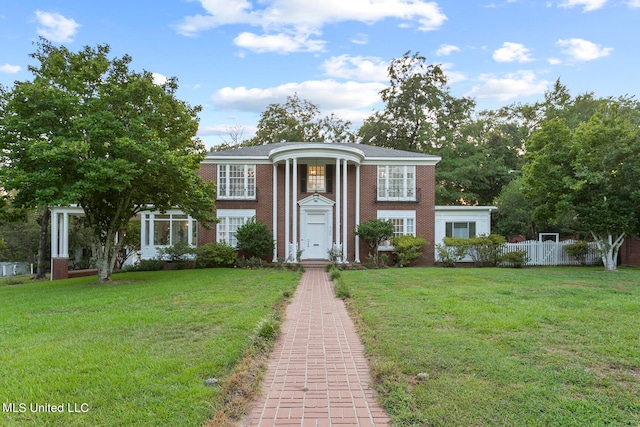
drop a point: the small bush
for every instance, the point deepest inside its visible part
(485, 251)
(407, 249)
(255, 239)
(342, 290)
(182, 254)
(450, 255)
(515, 259)
(334, 273)
(215, 255)
(579, 250)
(146, 265)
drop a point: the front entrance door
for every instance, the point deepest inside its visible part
(315, 244)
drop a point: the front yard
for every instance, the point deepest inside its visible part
(502, 347)
(136, 352)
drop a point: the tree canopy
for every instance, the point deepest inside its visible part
(591, 172)
(299, 120)
(88, 130)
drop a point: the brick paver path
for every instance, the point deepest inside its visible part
(317, 374)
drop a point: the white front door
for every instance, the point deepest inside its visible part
(316, 236)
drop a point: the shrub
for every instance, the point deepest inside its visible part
(215, 255)
(407, 249)
(516, 258)
(579, 250)
(334, 273)
(485, 251)
(181, 254)
(374, 232)
(449, 255)
(255, 239)
(341, 289)
(146, 265)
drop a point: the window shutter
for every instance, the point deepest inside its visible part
(449, 229)
(302, 173)
(329, 177)
(472, 229)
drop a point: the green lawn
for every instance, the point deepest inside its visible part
(503, 347)
(135, 352)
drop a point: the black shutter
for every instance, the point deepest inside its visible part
(302, 173)
(329, 177)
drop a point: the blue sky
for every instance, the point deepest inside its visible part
(235, 57)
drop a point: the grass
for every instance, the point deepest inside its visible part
(134, 352)
(502, 347)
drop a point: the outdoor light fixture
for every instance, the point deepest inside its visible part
(316, 196)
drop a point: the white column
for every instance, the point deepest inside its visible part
(345, 223)
(275, 213)
(65, 235)
(337, 230)
(287, 200)
(357, 218)
(295, 209)
(54, 234)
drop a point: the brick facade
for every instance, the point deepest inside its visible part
(369, 205)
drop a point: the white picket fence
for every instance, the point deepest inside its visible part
(552, 253)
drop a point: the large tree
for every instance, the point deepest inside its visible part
(299, 120)
(591, 173)
(420, 114)
(90, 131)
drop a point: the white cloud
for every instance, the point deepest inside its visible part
(10, 69)
(512, 52)
(159, 79)
(589, 5)
(583, 50)
(446, 50)
(554, 61)
(281, 43)
(56, 27)
(362, 68)
(327, 94)
(363, 38)
(634, 4)
(288, 17)
(452, 76)
(513, 85)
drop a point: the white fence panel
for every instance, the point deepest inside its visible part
(551, 253)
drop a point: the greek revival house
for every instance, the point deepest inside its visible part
(312, 196)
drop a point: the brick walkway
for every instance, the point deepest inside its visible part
(317, 374)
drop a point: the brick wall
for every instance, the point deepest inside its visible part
(425, 211)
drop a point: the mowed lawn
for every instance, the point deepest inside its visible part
(502, 347)
(136, 352)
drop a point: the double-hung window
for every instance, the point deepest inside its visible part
(236, 181)
(460, 229)
(396, 183)
(229, 222)
(404, 223)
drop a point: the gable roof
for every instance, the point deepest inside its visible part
(361, 153)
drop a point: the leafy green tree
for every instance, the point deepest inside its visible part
(89, 130)
(592, 172)
(420, 114)
(374, 232)
(515, 212)
(299, 120)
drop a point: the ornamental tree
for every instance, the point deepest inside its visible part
(591, 173)
(88, 130)
(374, 232)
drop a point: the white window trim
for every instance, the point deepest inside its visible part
(397, 214)
(408, 189)
(224, 215)
(227, 185)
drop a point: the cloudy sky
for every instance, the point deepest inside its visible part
(235, 57)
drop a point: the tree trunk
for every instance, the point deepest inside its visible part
(106, 253)
(609, 249)
(41, 273)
